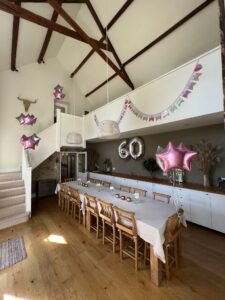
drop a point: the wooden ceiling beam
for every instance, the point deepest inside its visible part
(105, 36)
(169, 31)
(222, 42)
(47, 38)
(110, 24)
(101, 85)
(92, 43)
(46, 1)
(12, 8)
(158, 39)
(15, 33)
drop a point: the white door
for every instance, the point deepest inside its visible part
(218, 212)
(81, 165)
(200, 208)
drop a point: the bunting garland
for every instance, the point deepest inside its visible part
(175, 105)
(194, 78)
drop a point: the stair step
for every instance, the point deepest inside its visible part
(11, 184)
(12, 200)
(10, 176)
(12, 192)
(14, 220)
(12, 210)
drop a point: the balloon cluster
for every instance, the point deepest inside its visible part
(29, 142)
(175, 157)
(58, 93)
(26, 119)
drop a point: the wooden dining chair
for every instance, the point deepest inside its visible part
(172, 240)
(91, 208)
(126, 224)
(125, 188)
(63, 196)
(171, 244)
(75, 205)
(161, 197)
(92, 180)
(106, 214)
(69, 179)
(106, 183)
(139, 191)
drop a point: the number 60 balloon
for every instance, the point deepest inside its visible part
(134, 143)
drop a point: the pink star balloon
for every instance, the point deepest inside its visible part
(58, 93)
(29, 142)
(171, 158)
(26, 119)
(188, 156)
(29, 119)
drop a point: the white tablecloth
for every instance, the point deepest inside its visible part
(151, 215)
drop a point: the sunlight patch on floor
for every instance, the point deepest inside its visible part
(10, 297)
(58, 239)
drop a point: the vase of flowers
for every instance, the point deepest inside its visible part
(208, 157)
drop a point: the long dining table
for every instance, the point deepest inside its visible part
(151, 218)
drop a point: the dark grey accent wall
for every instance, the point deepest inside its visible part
(214, 134)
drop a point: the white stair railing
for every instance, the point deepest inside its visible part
(27, 178)
(46, 147)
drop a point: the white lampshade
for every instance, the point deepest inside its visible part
(74, 138)
(109, 129)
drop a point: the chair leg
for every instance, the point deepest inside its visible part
(167, 263)
(136, 253)
(103, 232)
(97, 227)
(114, 239)
(88, 220)
(121, 245)
(179, 246)
(79, 215)
(176, 253)
(145, 253)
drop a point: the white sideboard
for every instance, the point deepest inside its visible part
(202, 208)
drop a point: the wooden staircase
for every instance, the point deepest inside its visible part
(12, 200)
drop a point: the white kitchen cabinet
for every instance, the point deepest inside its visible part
(218, 212)
(200, 204)
(182, 198)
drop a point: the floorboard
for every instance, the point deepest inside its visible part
(85, 269)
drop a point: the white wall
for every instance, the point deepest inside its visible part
(32, 81)
(154, 97)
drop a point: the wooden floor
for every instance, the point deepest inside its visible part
(85, 269)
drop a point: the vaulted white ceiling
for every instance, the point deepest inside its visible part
(142, 22)
(31, 36)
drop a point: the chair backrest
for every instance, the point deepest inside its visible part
(105, 210)
(161, 197)
(69, 179)
(173, 226)
(125, 221)
(74, 195)
(93, 180)
(139, 191)
(64, 188)
(106, 183)
(125, 188)
(91, 202)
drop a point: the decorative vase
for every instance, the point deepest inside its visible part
(206, 180)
